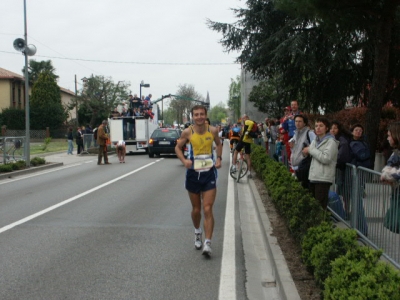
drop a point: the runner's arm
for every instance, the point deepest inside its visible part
(178, 148)
(218, 144)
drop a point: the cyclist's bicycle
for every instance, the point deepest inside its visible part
(241, 167)
(234, 144)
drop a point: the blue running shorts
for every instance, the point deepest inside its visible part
(197, 182)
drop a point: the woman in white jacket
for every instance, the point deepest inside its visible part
(324, 152)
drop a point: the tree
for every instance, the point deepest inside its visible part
(99, 96)
(183, 105)
(36, 68)
(217, 113)
(45, 103)
(377, 23)
(319, 52)
(266, 96)
(169, 116)
(234, 98)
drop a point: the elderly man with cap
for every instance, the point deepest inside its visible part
(102, 137)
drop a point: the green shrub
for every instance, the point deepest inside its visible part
(346, 270)
(293, 202)
(314, 236)
(6, 168)
(14, 166)
(335, 245)
(21, 164)
(37, 161)
(360, 275)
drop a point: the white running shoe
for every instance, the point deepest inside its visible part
(198, 243)
(233, 168)
(207, 249)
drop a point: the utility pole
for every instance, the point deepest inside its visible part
(76, 101)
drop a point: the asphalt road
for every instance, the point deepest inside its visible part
(120, 231)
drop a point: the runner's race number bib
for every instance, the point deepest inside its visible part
(203, 163)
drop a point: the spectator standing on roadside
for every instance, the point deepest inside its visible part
(303, 137)
(273, 131)
(79, 140)
(88, 136)
(102, 137)
(324, 152)
(344, 157)
(70, 138)
(360, 153)
(360, 157)
(391, 175)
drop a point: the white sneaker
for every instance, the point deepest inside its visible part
(198, 243)
(233, 168)
(207, 249)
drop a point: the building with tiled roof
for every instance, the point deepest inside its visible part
(12, 92)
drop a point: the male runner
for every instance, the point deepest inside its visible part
(201, 173)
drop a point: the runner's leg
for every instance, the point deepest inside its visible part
(208, 202)
(196, 209)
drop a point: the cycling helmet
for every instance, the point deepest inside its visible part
(187, 124)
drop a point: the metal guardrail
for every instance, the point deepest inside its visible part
(89, 142)
(12, 149)
(369, 206)
(372, 208)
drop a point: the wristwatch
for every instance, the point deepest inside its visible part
(220, 158)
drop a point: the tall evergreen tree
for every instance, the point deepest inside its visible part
(45, 103)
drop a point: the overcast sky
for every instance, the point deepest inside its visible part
(157, 41)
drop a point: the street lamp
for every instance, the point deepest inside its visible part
(142, 84)
(27, 50)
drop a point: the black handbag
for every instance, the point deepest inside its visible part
(304, 169)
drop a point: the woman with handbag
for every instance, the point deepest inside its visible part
(324, 152)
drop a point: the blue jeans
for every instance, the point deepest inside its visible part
(70, 146)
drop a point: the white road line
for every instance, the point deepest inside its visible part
(42, 212)
(227, 285)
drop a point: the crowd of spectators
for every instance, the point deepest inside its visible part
(135, 107)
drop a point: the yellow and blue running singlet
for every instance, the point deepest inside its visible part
(203, 175)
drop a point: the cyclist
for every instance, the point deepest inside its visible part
(244, 142)
(234, 136)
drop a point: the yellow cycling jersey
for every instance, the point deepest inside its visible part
(249, 124)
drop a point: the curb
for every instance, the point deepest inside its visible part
(284, 281)
(30, 170)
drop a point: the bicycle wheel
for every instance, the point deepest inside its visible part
(234, 174)
(239, 170)
(243, 169)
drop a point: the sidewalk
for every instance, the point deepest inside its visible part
(268, 276)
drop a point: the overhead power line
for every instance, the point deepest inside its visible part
(126, 62)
